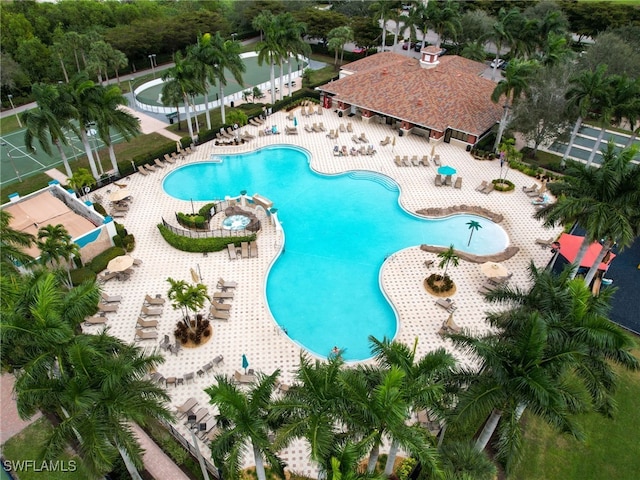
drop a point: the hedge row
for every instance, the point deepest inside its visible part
(188, 220)
(205, 211)
(199, 245)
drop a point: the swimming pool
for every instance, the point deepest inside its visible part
(324, 288)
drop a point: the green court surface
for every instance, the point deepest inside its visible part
(16, 162)
(255, 75)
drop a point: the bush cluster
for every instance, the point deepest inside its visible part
(124, 239)
(192, 221)
(447, 283)
(205, 211)
(100, 261)
(503, 185)
(100, 209)
(126, 168)
(199, 245)
(299, 96)
(405, 468)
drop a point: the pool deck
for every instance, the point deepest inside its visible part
(250, 329)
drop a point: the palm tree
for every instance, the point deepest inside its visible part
(187, 297)
(294, 43)
(48, 121)
(55, 244)
(461, 460)
(473, 226)
(11, 243)
(502, 33)
(615, 89)
(345, 462)
(448, 257)
(83, 95)
(81, 178)
(627, 106)
(385, 9)
(585, 88)
(516, 82)
(516, 371)
(445, 19)
(203, 56)
(338, 37)
(268, 49)
(110, 117)
(226, 57)
(604, 201)
(244, 418)
(172, 95)
(183, 77)
(419, 20)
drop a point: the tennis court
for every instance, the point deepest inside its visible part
(16, 162)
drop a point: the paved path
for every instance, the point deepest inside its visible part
(10, 422)
(156, 462)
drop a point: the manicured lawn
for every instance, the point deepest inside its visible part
(27, 445)
(8, 124)
(609, 452)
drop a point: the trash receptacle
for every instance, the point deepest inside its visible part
(468, 148)
(232, 104)
(400, 133)
(171, 121)
(340, 113)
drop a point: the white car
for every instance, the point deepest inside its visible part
(497, 63)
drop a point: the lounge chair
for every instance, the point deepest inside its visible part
(253, 249)
(436, 160)
(158, 162)
(144, 335)
(532, 188)
(307, 129)
(147, 323)
(186, 407)
(363, 138)
(168, 159)
(121, 208)
(316, 128)
(534, 193)
(290, 116)
(149, 300)
(319, 109)
(99, 319)
(342, 128)
(106, 276)
(355, 139)
(482, 186)
(425, 161)
(221, 307)
(458, 183)
(349, 127)
(385, 142)
(290, 130)
(231, 249)
(405, 161)
(322, 127)
(111, 298)
(303, 112)
(241, 378)
(142, 170)
(446, 303)
(449, 326)
(217, 360)
(428, 263)
(398, 161)
(489, 188)
(244, 249)
(414, 160)
(197, 417)
(544, 243)
(223, 295)
(223, 285)
(150, 312)
(104, 307)
(487, 287)
(137, 262)
(447, 180)
(117, 214)
(438, 180)
(500, 280)
(217, 314)
(149, 168)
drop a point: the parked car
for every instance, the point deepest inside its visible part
(359, 50)
(417, 46)
(405, 46)
(504, 66)
(497, 63)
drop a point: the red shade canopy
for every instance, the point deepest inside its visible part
(569, 246)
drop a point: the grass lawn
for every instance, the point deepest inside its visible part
(609, 452)
(26, 446)
(8, 124)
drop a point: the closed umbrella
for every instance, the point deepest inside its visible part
(178, 146)
(295, 121)
(119, 195)
(195, 277)
(120, 264)
(393, 143)
(245, 363)
(493, 269)
(433, 151)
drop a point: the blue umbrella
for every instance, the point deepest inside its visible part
(446, 170)
(295, 121)
(245, 363)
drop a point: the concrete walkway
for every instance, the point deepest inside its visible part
(156, 462)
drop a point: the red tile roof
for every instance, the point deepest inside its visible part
(451, 95)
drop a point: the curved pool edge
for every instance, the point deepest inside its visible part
(505, 254)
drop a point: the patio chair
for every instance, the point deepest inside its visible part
(137, 262)
(355, 139)
(385, 142)
(414, 160)
(253, 249)
(332, 134)
(241, 378)
(217, 360)
(398, 161)
(307, 129)
(436, 160)
(544, 243)
(144, 323)
(99, 319)
(189, 376)
(144, 335)
(489, 188)
(244, 249)
(438, 180)
(104, 307)
(149, 300)
(428, 263)
(150, 168)
(425, 161)
(223, 285)
(342, 128)
(405, 161)
(458, 183)
(164, 344)
(175, 350)
(223, 295)
(349, 127)
(322, 127)
(447, 180)
(303, 111)
(482, 186)
(111, 298)
(142, 170)
(319, 109)
(207, 367)
(231, 249)
(158, 163)
(150, 312)
(216, 314)
(363, 138)
(446, 303)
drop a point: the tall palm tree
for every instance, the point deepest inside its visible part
(603, 200)
(502, 33)
(419, 20)
(55, 245)
(338, 38)
(202, 54)
(183, 78)
(516, 82)
(585, 88)
(461, 460)
(111, 117)
(614, 90)
(385, 10)
(226, 57)
(627, 107)
(48, 121)
(268, 49)
(445, 19)
(244, 418)
(345, 463)
(11, 243)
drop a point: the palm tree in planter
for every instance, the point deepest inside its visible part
(442, 283)
(188, 297)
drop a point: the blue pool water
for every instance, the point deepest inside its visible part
(324, 288)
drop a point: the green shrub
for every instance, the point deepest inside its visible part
(81, 275)
(187, 244)
(118, 241)
(405, 468)
(99, 263)
(121, 230)
(100, 209)
(189, 220)
(205, 211)
(129, 243)
(503, 185)
(447, 283)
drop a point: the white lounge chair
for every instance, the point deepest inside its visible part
(231, 249)
(150, 312)
(223, 285)
(142, 335)
(110, 298)
(149, 300)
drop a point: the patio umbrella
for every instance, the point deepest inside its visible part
(194, 276)
(120, 264)
(119, 195)
(245, 363)
(178, 146)
(493, 269)
(446, 170)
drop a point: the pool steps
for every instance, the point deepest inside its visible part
(386, 182)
